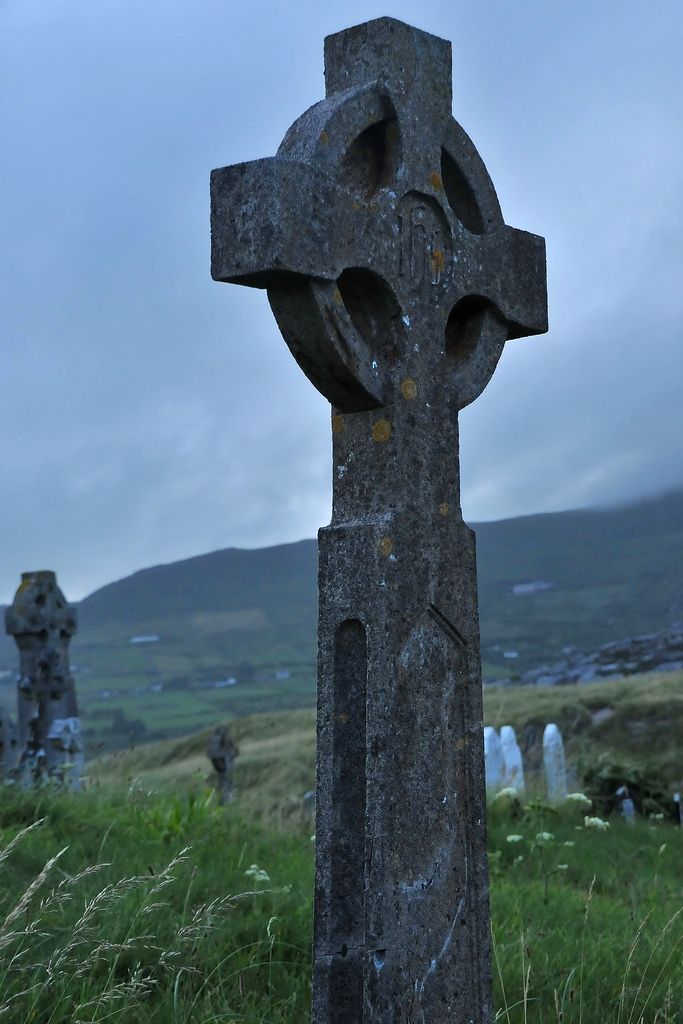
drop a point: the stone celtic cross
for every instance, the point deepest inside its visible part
(395, 282)
(42, 624)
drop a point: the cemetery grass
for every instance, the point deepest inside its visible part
(199, 913)
(636, 720)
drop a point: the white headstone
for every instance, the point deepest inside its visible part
(554, 764)
(493, 756)
(513, 765)
(628, 810)
(66, 736)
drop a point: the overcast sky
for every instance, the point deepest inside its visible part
(150, 414)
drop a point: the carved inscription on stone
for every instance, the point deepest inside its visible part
(425, 244)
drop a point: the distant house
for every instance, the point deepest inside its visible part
(150, 638)
(531, 587)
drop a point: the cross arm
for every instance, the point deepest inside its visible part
(516, 279)
(275, 216)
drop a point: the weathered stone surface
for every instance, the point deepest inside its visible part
(395, 282)
(554, 764)
(42, 625)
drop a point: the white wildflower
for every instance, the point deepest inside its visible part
(580, 799)
(257, 873)
(543, 838)
(514, 839)
(508, 793)
(597, 823)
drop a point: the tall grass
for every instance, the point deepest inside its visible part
(215, 931)
(163, 909)
(599, 912)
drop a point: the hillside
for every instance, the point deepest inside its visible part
(173, 648)
(636, 720)
(615, 573)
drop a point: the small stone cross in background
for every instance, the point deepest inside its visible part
(222, 752)
(42, 625)
(395, 282)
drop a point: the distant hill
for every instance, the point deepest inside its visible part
(614, 572)
(278, 582)
(234, 631)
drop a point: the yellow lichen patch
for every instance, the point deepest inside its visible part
(324, 137)
(438, 261)
(337, 296)
(343, 717)
(355, 206)
(381, 431)
(436, 182)
(409, 388)
(386, 546)
(338, 425)
(443, 508)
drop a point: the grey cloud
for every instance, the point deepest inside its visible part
(150, 414)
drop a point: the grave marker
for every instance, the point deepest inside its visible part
(222, 753)
(493, 760)
(377, 232)
(42, 625)
(513, 765)
(554, 764)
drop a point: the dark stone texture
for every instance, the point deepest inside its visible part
(395, 282)
(42, 624)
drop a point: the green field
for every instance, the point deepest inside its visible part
(199, 914)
